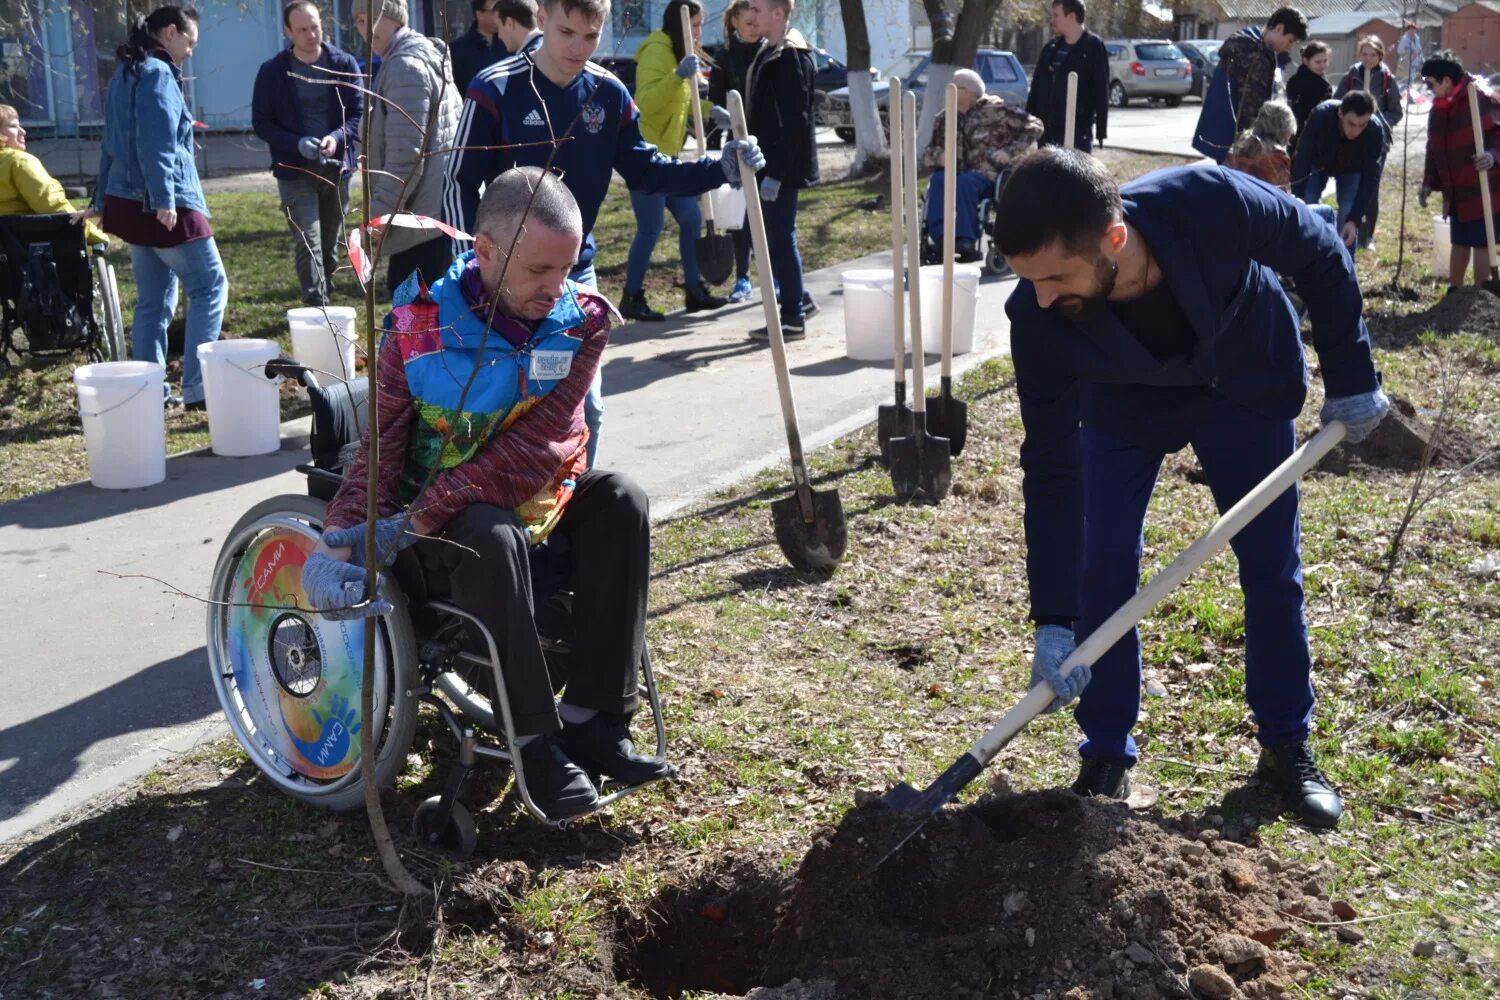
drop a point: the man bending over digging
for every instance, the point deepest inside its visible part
(1137, 329)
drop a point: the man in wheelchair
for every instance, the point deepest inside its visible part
(492, 486)
(991, 134)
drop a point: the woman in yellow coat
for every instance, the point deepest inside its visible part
(666, 82)
(25, 186)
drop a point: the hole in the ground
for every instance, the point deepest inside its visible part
(710, 934)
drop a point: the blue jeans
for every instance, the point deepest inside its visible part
(972, 185)
(593, 403)
(649, 220)
(786, 260)
(157, 272)
(1346, 186)
(1236, 448)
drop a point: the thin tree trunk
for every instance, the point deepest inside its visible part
(954, 45)
(869, 134)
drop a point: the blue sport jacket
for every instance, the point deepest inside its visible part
(1220, 238)
(147, 153)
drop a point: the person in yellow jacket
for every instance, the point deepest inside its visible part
(25, 186)
(666, 81)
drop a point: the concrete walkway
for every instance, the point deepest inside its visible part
(104, 677)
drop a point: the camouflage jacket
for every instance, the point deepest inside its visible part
(992, 133)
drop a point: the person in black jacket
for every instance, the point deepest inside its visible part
(484, 42)
(779, 90)
(1074, 50)
(741, 42)
(1307, 88)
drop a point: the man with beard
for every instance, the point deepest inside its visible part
(1124, 352)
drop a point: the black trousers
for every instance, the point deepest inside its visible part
(600, 550)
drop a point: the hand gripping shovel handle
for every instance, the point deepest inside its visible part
(913, 254)
(687, 34)
(950, 213)
(1484, 178)
(773, 316)
(898, 209)
(1116, 625)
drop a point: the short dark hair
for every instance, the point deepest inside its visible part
(478, 6)
(1313, 49)
(1444, 65)
(1357, 102)
(1074, 7)
(526, 196)
(1290, 20)
(590, 8)
(1056, 195)
(295, 5)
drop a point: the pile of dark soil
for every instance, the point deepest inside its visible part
(1467, 310)
(1399, 442)
(1043, 894)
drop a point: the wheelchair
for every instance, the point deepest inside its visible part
(57, 295)
(992, 261)
(289, 680)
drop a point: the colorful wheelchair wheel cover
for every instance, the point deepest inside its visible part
(296, 674)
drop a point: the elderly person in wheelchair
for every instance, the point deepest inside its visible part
(488, 480)
(991, 134)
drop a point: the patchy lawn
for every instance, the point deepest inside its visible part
(786, 693)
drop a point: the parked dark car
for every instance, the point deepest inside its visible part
(1001, 72)
(622, 67)
(1203, 53)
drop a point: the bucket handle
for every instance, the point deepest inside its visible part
(258, 371)
(110, 409)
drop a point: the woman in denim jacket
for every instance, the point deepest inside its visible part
(149, 194)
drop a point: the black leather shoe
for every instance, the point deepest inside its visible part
(557, 785)
(634, 307)
(965, 252)
(700, 299)
(1108, 779)
(1292, 769)
(602, 746)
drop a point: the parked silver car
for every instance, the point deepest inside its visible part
(1001, 72)
(1149, 68)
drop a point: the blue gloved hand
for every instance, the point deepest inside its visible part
(333, 587)
(391, 536)
(1359, 414)
(688, 68)
(719, 117)
(770, 187)
(1054, 644)
(745, 150)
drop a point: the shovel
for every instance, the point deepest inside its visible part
(950, 417)
(1493, 284)
(926, 803)
(1070, 117)
(715, 250)
(921, 464)
(809, 524)
(893, 420)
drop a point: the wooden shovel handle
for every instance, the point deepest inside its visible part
(898, 212)
(687, 41)
(1070, 119)
(950, 219)
(913, 253)
(1162, 584)
(1484, 178)
(768, 303)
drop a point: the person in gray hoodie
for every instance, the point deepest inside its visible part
(413, 119)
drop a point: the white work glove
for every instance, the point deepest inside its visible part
(688, 68)
(770, 188)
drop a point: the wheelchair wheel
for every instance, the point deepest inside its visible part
(289, 681)
(107, 310)
(457, 837)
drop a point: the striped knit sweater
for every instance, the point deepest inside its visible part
(1449, 166)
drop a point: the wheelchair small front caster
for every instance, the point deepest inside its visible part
(457, 837)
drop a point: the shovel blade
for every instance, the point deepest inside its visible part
(921, 466)
(949, 418)
(815, 545)
(892, 420)
(715, 256)
(926, 801)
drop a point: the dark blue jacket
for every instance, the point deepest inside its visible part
(1319, 143)
(1242, 82)
(276, 116)
(471, 52)
(1220, 238)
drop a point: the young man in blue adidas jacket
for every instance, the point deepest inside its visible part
(553, 96)
(1137, 328)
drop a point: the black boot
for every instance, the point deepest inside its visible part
(602, 746)
(700, 298)
(634, 307)
(556, 784)
(1109, 779)
(965, 252)
(1294, 772)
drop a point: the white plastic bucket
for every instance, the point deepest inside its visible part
(869, 331)
(124, 431)
(1440, 247)
(729, 207)
(244, 407)
(965, 305)
(323, 339)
